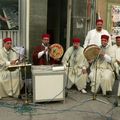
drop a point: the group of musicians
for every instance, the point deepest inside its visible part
(101, 73)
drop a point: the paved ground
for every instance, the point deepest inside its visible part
(77, 106)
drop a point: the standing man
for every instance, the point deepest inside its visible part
(10, 81)
(40, 54)
(94, 36)
(77, 65)
(116, 55)
(101, 70)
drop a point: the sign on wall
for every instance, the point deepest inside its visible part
(9, 14)
(115, 25)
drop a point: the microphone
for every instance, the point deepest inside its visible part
(68, 61)
(21, 54)
(14, 50)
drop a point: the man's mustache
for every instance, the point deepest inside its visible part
(99, 27)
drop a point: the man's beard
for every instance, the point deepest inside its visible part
(99, 28)
(75, 47)
(46, 44)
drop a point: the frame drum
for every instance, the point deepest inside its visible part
(56, 51)
(91, 52)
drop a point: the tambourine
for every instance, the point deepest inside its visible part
(91, 52)
(56, 51)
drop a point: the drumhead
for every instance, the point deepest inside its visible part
(56, 51)
(91, 52)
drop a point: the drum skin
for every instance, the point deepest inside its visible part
(56, 51)
(91, 52)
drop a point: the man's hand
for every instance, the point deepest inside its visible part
(46, 49)
(118, 62)
(84, 71)
(14, 62)
(102, 54)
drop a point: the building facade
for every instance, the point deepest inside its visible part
(62, 19)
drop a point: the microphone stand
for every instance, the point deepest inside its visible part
(18, 54)
(116, 96)
(94, 93)
(66, 93)
(94, 97)
(115, 104)
(68, 61)
(25, 76)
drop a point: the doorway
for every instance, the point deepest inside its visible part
(57, 21)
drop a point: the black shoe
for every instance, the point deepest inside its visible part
(108, 94)
(66, 93)
(115, 103)
(19, 97)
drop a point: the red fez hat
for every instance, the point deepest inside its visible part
(99, 20)
(106, 37)
(117, 37)
(45, 36)
(7, 40)
(76, 40)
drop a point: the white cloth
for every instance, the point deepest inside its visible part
(42, 52)
(10, 80)
(102, 74)
(118, 89)
(94, 37)
(108, 58)
(75, 62)
(116, 55)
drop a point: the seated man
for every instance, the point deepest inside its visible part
(10, 81)
(116, 55)
(101, 70)
(76, 62)
(40, 55)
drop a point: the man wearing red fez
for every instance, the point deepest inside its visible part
(46, 36)
(76, 42)
(77, 64)
(94, 35)
(99, 20)
(40, 55)
(116, 56)
(105, 75)
(10, 80)
(104, 40)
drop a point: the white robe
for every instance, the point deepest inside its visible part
(102, 74)
(116, 55)
(10, 80)
(94, 37)
(75, 61)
